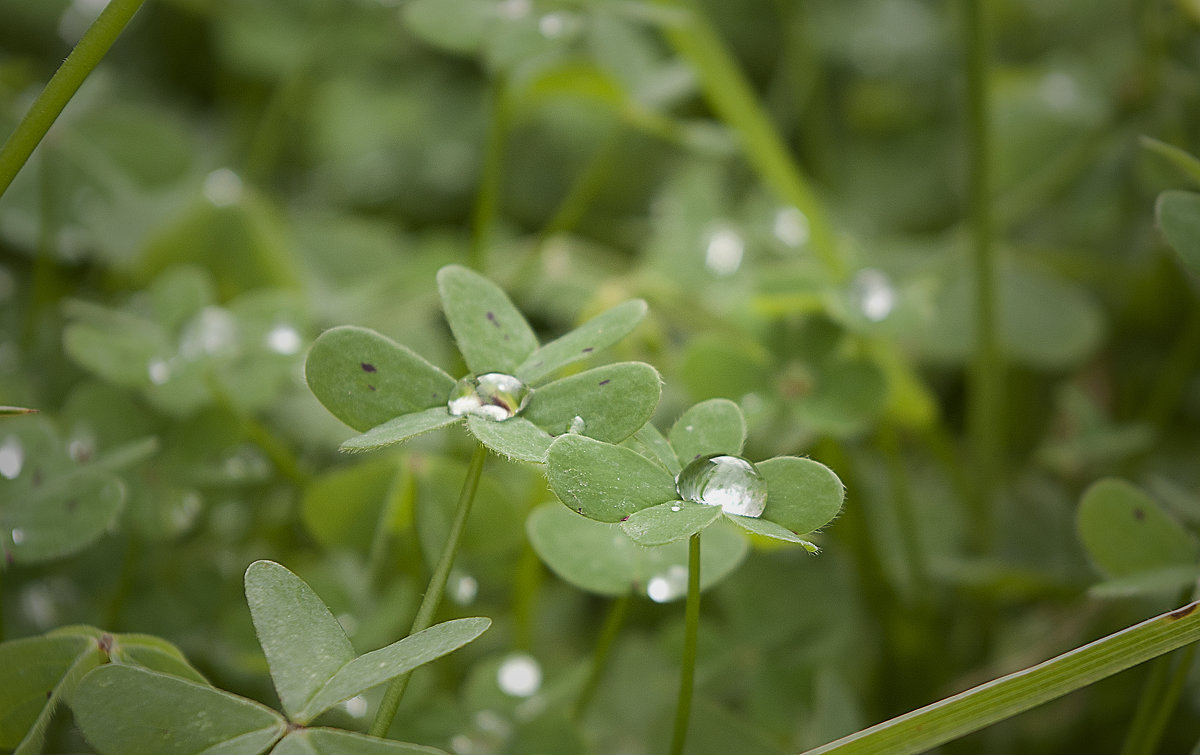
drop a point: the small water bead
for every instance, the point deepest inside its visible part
(223, 187)
(158, 371)
(493, 396)
(17, 535)
(663, 588)
(873, 294)
(730, 482)
(520, 675)
(724, 250)
(791, 227)
(577, 425)
(12, 458)
(211, 332)
(283, 339)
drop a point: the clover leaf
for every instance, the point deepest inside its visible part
(660, 497)
(391, 394)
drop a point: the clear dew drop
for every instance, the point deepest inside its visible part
(873, 293)
(791, 227)
(211, 332)
(356, 706)
(223, 187)
(493, 396)
(158, 371)
(283, 339)
(665, 587)
(557, 25)
(520, 675)
(17, 535)
(12, 458)
(724, 250)
(463, 588)
(577, 425)
(730, 482)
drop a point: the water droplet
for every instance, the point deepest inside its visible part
(12, 457)
(723, 254)
(519, 675)
(81, 446)
(223, 187)
(676, 507)
(557, 25)
(791, 227)
(463, 588)
(730, 482)
(159, 371)
(283, 339)
(1060, 91)
(514, 9)
(576, 425)
(663, 588)
(873, 294)
(210, 332)
(356, 706)
(493, 395)
(18, 536)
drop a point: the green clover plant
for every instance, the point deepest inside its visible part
(508, 401)
(666, 489)
(156, 703)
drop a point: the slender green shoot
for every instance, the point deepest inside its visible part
(735, 102)
(999, 699)
(487, 202)
(986, 403)
(608, 635)
(96, 41)
(687, 674)
(437, 586)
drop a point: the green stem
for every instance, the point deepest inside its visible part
(985, 411)
(1168, 700)
(399, 494)
(585, 188)
(914, 555)
(735, 102)
(687, 674)
(608, 635)
(487, 203)
(437, 585)
(62, 86)
(999, 699)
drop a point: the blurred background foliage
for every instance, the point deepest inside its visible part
(241, 174)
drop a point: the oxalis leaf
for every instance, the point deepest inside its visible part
(600, 332)
(1178, 214)
(1126, 532)
(802, 494)
(715, 426)
(322, 741)
(611, 402)
(122, 709)
(669, 522)
(491, 332)
(312, 662)
(603, 481)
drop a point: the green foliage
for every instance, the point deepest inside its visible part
(928, 254)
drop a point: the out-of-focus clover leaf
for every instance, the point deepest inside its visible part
(780, 498)
(52, 505)
(1137, 545)
(176, 341)
(1178, 214)
(376, 385)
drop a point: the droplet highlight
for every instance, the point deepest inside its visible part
(730, 482)
(283, 339)
(520, 675)
(12, 458)
(724, 251)
(873, 294)
(493, 396)
(671, 584)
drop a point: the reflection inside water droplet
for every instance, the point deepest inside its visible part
(493, 396)
(873, 294)
(519, 675)
(730, 482)
(12, 457)
(663, 588)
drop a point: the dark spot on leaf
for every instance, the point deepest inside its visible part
(492, 319)
(1179, 613)
(368, 367)
(605, 382)
(49, 693)
(580, 509)
(588, 350)
(1138, 514)
(370, 386)
(625, 518)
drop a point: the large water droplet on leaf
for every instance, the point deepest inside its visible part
(730, 482)
(520, 675)
(493, 395)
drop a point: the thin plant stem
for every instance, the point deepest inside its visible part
(437, 585)
(986, 388)
(889, 444)
(487, 203)
(399, 494)
(691, 624)
(87, 54)
(608, 635)
(1161, 714)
